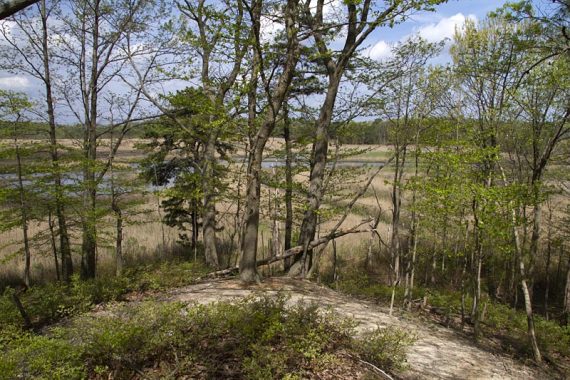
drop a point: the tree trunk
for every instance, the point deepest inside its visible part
(209, 216)
(524, 286)
(23, 212)
(288, 184)
(477, 294)
(53, 245)
(248, 270)
(335, 261)
(548, 257)
(317, 175)
(566, 310)
(64, 246)
(194, 229)
(89, 244)
(248, 262)
(476, 263)
(119, 240)
(9, 7)
(535, 237)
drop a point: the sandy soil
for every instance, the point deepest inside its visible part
(439, 353)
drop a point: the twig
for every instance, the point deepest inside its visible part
(377, 369)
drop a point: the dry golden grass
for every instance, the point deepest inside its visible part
(142, 242)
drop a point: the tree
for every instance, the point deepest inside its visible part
(13, 106)
(404, 99)
(177, 156)
(276, 93)
(32, 56)
(9, 7)
(361, 19)
(94, 47)
(487, 59)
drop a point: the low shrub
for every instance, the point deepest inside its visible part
(384, 347)
(499, 320)
(256, 338)
(50, 302)
(30, 356)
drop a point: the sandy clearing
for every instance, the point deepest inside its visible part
(438, 353)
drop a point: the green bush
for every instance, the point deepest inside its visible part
(49, 303)
(385, 348)
(255, 338)
(39, 357)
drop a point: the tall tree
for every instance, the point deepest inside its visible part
(360, 20)
(30, 51)
(216, 32)
(12, 107)
(94, 46)
(276, 91)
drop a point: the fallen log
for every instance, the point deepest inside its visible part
(295, 250)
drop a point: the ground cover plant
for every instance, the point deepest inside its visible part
(259, 337)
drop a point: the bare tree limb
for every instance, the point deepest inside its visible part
(296, 250)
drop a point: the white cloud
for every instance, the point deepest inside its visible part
(445, 28)
(15, 82)
(432, 32)
(270, 28)
(380, 51)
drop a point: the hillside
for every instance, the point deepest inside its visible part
(438, 353)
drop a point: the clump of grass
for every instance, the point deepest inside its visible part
(256, 338)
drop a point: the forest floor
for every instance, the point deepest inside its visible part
(438, 352)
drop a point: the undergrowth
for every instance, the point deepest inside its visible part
(51, 302)
(498, 321)
(255, 338)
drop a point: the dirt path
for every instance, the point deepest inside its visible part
(438, 353)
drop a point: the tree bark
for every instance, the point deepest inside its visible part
(64, 246)
(527, 297)
(248, 267)
(295, 250)
(23, 212)
(89, 219)
(209, 213)
(118, 239)
(288, 184)
(547, 266)
(53, 245)
(9, 7)
(566, 310)
(318, 166)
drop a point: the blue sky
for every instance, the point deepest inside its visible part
(434, 26)
(431, 25)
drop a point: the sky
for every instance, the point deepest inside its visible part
(433, 26)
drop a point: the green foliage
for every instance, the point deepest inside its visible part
(385, 347)
(53, 301)
(499, 320)
(39, 357)
(256, 338)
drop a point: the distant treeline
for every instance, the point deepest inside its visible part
(369, 132)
